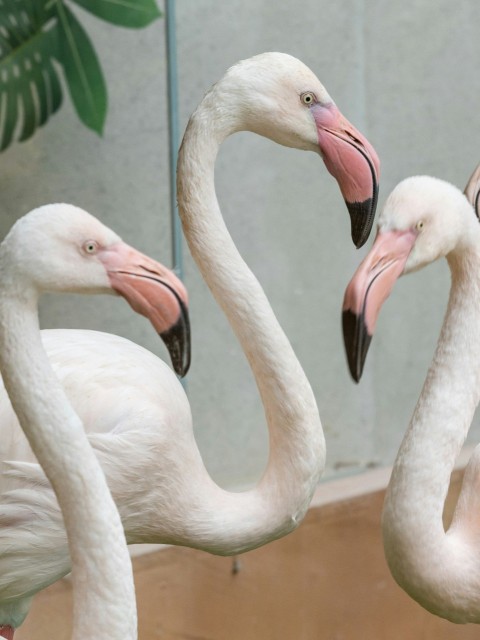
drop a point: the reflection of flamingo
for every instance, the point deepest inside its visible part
(62, 248)
(425, 219)
(147, 448)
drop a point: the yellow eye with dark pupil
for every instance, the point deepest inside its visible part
(90, 246)
(307, 98)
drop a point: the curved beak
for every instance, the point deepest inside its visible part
(353, 162)
(370, 286)
(155, 292)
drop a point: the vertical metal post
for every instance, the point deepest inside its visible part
(173, 139)
(173, 134)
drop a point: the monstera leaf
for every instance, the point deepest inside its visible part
(29, 87)
(38, 38)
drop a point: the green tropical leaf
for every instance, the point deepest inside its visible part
(34, 35)
(29, 88)
(125, 13)
(82, 70)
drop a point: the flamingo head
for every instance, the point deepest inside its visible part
(61, 248)
(277, 96)
(423, 219)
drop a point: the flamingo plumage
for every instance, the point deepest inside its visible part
(132, 405)
(425, 219)
(62, 248)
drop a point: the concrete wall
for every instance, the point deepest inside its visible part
(405, 73)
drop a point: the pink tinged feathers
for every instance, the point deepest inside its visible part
(353, 162)
(155, 292)
(370, 286)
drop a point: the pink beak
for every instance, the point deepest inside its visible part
(366, 292)
(353, 162)
(155, 292)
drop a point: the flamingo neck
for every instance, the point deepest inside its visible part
(297, 447)
(104, 600)
(441, 570)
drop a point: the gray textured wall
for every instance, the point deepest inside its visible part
(405, 73)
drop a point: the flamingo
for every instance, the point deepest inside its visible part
(143, 430)
(62, 248)
(424, 219)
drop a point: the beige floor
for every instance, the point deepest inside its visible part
(326, 581)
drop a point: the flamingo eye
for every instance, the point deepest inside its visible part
(90, 247)
(420, 224)
(308, 98)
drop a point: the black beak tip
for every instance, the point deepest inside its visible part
(177, 341)
(357, 341)
(362, 215)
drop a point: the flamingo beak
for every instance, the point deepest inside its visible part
(6, 632)
(156, 293)
(353, 162)
(370, 286)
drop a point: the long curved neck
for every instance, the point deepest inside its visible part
(104, 598)
(441, 570)
(297, 447)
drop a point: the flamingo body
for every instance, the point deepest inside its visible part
(136, 411)
(78, 254)
(425, 219)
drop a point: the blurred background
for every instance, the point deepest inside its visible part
(405, 74)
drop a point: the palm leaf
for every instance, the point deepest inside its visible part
(124, 13)
(29, 87)
(82, 70)
(36, 33)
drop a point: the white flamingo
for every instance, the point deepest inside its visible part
(425, 219)
(146, 444)
(62, 248)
